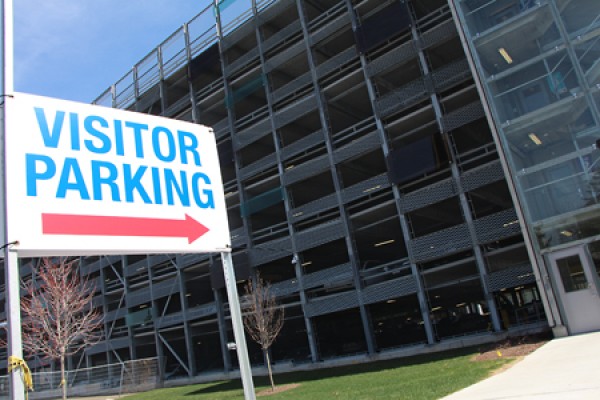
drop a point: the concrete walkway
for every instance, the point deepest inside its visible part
(107, 397)
(563, 369)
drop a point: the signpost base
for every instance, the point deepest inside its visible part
(13, 313)
(238, 327)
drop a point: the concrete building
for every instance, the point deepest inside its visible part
(410, 175)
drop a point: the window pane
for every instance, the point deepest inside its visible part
(571, 274)
(595, 251)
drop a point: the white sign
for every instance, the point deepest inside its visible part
(84, 179)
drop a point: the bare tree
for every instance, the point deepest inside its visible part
(58, 317)
(263, 317)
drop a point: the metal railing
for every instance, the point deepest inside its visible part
(128, 376)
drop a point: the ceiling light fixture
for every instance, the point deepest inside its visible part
(384, 243)
(371, 189)
(505, 55)
(535, 139)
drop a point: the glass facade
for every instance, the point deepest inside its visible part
(539, 64)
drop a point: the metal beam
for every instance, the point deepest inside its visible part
(168, 346)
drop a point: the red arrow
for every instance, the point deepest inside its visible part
(98, 225)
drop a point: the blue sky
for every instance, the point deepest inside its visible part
(75, 49)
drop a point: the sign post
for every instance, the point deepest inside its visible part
(11, 258)
(238, 326)
(13, 307)
(89, 180)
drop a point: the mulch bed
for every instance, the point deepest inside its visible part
(278, 389)
(512, 347)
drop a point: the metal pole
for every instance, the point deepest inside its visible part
(11, 258)
(238, 327)
(7, 49)
(13, 307)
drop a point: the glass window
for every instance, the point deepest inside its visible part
(518, 43)
(587, 56)
(595, 251)
(597, 101)
(555, 190)
(580, 17)
(571, 273)
(523, 90)
(568, 229)
(481, 15)
(546, 141)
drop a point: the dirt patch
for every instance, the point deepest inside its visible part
(517, 348)
(278, 389)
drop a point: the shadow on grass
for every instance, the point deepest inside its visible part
(220, 387)
(325, 373)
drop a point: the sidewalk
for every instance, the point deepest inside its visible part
(563, 369)
(107, 397)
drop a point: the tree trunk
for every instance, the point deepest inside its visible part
(268, 358)
(63, 381)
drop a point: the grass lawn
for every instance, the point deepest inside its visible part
(414, 378)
